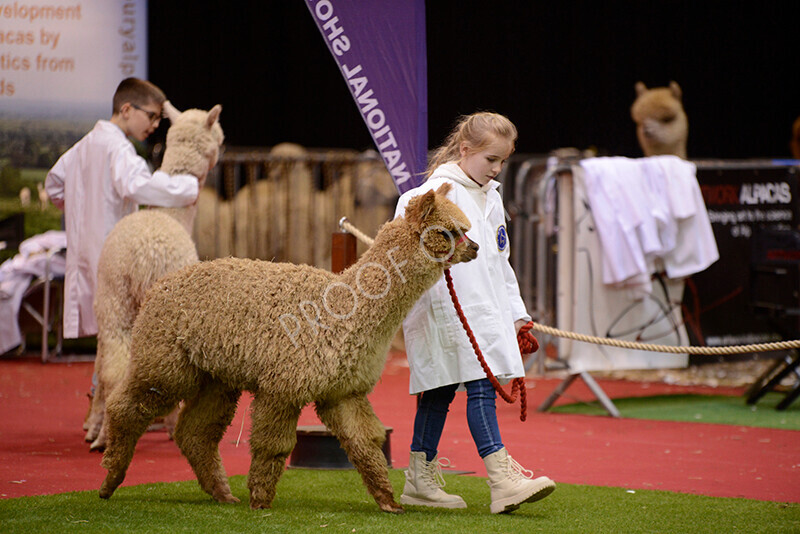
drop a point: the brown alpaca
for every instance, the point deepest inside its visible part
(794, 142)
(661, 123)
(291, 335)
(143, 247)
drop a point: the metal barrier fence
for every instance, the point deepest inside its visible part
(283, 204)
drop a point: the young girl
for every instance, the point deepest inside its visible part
(440, 356)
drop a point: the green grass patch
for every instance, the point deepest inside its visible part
(700, 409)
(37, 221)
(30, 176)
(336, 501)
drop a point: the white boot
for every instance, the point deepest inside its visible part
(424, 483)
(512, 484)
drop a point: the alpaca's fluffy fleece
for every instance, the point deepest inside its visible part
(143, 247)
(291, 335)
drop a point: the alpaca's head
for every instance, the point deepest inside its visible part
(193, 140)
(661, 123)
(441, 227)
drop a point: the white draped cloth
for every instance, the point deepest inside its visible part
(16, 275)
(648, 211)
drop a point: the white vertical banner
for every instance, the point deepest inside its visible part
(66, 58)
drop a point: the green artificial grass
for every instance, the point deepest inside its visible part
(700, 409)
(336, 501)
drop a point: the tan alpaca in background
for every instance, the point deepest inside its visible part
(661, 124)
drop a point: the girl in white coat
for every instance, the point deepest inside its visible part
(440, 355)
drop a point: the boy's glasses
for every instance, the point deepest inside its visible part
(152, 115)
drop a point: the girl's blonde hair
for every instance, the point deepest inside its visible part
(478, 131)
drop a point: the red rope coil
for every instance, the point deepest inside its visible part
(527, 344)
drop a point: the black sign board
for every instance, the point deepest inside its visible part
(744, 200)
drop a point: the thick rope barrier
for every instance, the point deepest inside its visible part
(733, 349)
(346, 225)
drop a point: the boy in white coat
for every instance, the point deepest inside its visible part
(101, 179)
(441, 358)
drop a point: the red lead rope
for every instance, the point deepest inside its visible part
(527, 344)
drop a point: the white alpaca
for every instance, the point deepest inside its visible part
(25, 197)
(143, 247)
(44, 199)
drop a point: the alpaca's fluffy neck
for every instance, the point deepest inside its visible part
(388, 279)
(187, 214)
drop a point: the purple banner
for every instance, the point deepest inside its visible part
(380, 48)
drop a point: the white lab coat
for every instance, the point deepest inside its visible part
(438, 349)
(648, 209)
(97, 182)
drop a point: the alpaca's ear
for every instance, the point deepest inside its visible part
(675, 89)
(213, 115)
(444, 189)
(419, 208)
(640, 88)
(171, 111)
(426, 205)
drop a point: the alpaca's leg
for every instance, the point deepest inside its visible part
(361, 435)
(201, 425)
(272, 438)
(116, 356)
(129, 410)
(94, 419)
(171, 421)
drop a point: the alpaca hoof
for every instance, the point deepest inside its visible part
(97, 446)
(392, 508)
(227, 499)
(110, 484)
(259, 505)
(91, 435)
(105, 491)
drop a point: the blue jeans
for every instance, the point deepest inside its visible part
(481, 416)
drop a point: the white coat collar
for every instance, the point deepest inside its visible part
(453, 172)
(109, 127)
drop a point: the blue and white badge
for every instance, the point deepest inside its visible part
(502, 238)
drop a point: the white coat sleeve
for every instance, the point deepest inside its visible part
(54, 184)
(132, 179)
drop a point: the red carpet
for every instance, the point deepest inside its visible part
(42, 449)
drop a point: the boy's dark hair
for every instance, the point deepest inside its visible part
(137, 91)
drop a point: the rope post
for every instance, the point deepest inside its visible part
(343, 251)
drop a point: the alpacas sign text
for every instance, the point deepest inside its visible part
(379, 47)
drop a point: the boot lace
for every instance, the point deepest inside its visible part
(433, 471)
(515, 470)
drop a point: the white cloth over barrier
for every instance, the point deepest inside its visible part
(646, 210)
(635, 221)
(16, 275)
